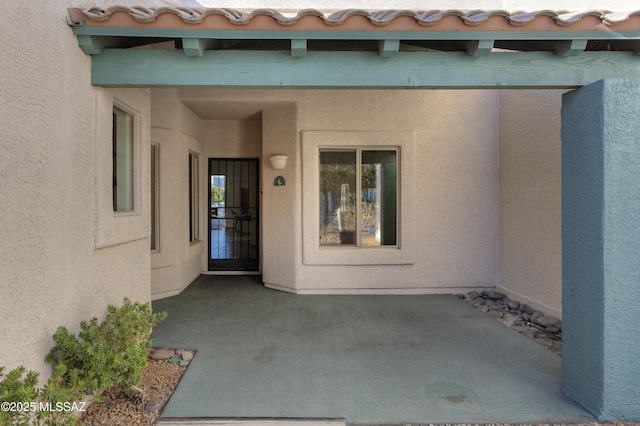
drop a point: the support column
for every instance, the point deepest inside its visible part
(601, 248)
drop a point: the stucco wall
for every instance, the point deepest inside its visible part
(232, 138)
(455, 162)
(530, 248)
(177, 131)
(50, 159)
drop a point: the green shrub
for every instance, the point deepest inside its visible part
(113, 352)
(27, 404)
(14, 388)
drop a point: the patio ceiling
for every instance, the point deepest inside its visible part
(168, 46)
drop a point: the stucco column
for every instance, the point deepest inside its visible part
(601, 248)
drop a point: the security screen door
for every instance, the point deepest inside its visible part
(233, 219)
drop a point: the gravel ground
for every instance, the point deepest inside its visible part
(159, 380)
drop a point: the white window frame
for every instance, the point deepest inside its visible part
(403, 253)
(194, 196)
(119, 227)
(155, 197)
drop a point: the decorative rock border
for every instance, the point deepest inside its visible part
(180, 356)
(534, 324)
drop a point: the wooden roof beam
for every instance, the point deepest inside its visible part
(388, 48)
(298, 48)
(567, 48)
(478, 48)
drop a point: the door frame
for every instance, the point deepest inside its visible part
(239, 266)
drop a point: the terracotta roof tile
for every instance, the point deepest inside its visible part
(378, 17)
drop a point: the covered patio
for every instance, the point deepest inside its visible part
(593, 53)
(371, 360)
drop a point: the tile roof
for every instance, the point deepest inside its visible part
(379, 18)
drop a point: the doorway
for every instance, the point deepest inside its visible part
(234, 186)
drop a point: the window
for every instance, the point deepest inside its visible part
(123, 158)
(384, 181)
(155, 159)
(194, 205)
(358, 197)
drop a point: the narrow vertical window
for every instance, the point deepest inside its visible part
(122, 161)
(155, 159)
(379, 198)
(337, 189)
(358, 197)
(194, 205)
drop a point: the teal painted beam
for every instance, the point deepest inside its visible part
(478, 48)
(194, 46)
(298, 48)
(568, 48)
(154, 68)
(388, 48)
(91, 45)
(354, 35)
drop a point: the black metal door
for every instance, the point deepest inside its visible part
(234, 185)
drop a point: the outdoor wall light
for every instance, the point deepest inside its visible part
(278, 162)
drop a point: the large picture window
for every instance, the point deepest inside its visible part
(358, 197)
(123, 159)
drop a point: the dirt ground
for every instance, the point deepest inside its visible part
(159, 380)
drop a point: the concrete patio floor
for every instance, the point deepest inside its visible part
(372, 360)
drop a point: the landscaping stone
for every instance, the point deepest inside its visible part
(495, 314)
(535, 315)
(544, 329)
(547, 321)
(187, 355)
(153, 405)
(487, 294)
(163, 353)
(513, 304)
(184, 363)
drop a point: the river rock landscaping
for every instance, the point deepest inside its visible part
(543, 329)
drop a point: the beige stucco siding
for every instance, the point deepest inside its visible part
(530, 255)
(177, 131)
(453, 164)
(52, 272)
